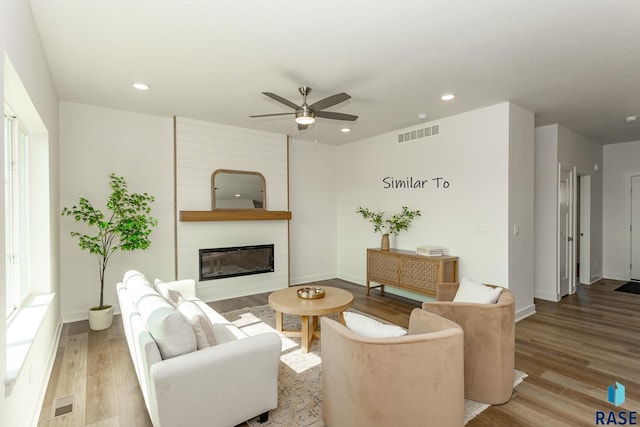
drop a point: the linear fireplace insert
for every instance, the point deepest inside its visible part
(217, 263)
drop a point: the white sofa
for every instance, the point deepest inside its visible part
(185, 380)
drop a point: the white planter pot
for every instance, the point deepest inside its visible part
(100, 319)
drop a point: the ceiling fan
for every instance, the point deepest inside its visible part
(306, 114)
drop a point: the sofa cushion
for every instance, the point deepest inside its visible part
(134, 278)
(170, 329)
(368, 327)
(470, 291)
(200, 323)
(137, 293)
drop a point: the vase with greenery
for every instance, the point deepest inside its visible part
(125, 225)
(386, 225)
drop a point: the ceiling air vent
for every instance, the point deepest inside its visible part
(418, 134)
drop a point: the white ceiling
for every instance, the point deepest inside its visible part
(572, 62)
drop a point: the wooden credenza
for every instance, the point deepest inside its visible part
(406, 270)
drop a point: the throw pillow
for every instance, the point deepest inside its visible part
(199, 321)
(470, 291)
(169, 292)
(368, 327)
(186, 287)
(169, 328)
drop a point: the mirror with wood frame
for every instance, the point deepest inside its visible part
(232, 189)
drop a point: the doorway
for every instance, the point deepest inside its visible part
(566, 231)
(634, 228)
(584, 229)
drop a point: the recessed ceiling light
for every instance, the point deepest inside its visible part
(448, 96)
(237, 195)
(345, 130)
(422, 116)
(630, 119)
(141, 86)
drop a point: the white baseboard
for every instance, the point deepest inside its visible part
(312, 278)
(77, 316)
(547, 296)
(596, 277)
(615, 276)
(353, 279)
(523, 313)
(47, 377)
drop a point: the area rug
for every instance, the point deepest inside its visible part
(300, 391)
(630, 287)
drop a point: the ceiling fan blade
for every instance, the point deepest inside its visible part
(329, 102)
(336, 116)
(282, 100)
(302, 127)
(269, 115)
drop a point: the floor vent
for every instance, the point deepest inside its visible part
(418, 134)
(63, 406)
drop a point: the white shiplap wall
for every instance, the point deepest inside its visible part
(203, 147)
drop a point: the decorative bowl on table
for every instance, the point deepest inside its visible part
(311, 293)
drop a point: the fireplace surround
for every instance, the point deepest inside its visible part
(218, 263)
(202, 147)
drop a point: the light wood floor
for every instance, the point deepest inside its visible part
(571, 350)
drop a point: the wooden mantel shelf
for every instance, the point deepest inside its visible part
(234, 215)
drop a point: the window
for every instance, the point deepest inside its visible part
(27, 239)
(16, 154)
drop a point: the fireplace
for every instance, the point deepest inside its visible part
(217, 263)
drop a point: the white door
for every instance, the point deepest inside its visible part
(566, 279)
(585, 229)
(635, 227)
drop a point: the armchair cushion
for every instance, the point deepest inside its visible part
(368, 327)
(470, 291)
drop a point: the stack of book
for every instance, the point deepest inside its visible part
(430, 250)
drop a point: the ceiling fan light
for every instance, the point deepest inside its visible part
(305, 117)
(305, 120)
(141, 86)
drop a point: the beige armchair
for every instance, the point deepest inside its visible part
(393, 381)
(489, 342)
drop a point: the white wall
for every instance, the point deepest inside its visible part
(556, 144)
(521, 207)
(313, 185)
(620, 161)
(472, 154)
(19, 41)
(94, 142)
(546, 213)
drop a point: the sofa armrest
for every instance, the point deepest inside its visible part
(217, 386)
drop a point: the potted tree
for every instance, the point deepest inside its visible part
(126, 226)
(389, 225)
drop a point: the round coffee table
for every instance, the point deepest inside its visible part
(287, 301)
